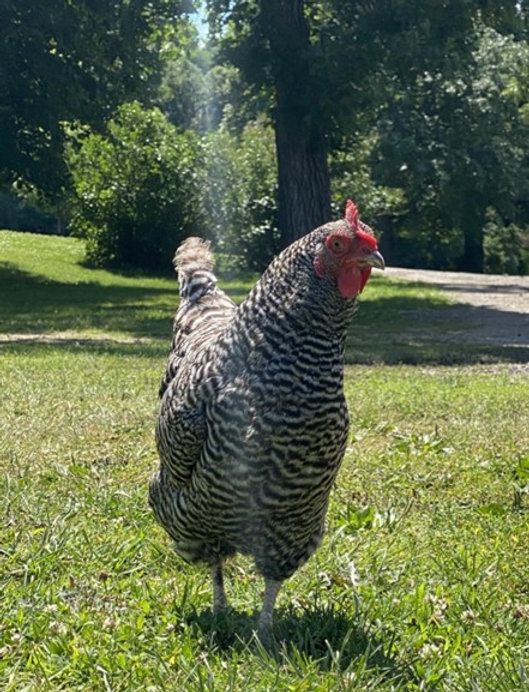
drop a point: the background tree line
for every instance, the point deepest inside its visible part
(118, 121)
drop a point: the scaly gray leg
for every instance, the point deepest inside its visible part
(267, 613)
(219, 595)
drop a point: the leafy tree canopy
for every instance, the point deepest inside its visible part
(457, 145)
(67, 60)
(439, 90)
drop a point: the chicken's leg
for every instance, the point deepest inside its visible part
(219, 595)
(272, 587)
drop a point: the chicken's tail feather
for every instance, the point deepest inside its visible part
(193, 263)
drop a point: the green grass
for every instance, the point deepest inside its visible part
(46, 289)
(421, 581)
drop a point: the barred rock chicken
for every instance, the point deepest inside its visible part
(253, 421)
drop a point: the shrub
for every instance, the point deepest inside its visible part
(351, 176)
(136, 188)
(428, 247)
(21, 215)
(241, 195)
(505, 247)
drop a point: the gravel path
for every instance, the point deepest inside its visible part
(492, 309)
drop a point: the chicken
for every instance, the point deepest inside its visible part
(253, 421)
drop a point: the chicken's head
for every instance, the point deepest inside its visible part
(348, 253)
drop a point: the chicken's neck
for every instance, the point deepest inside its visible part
(290, 303)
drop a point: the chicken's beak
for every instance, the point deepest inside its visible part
(374, 259)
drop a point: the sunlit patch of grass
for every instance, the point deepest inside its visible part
(48, 289)
(417, 581)
(420, 583)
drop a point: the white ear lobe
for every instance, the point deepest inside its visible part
(318, 267)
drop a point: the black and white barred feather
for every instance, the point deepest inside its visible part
(204, 309)
(253, 421)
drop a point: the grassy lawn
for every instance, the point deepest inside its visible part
(421, 581)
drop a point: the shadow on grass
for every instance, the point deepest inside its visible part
(327, 638)
(417, 331)
(74, 346)
(33, 305)
(390, 329)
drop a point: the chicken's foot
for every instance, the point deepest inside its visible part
(219, 595)
(266, 617)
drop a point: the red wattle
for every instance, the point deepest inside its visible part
(365, 273)
(349, 282)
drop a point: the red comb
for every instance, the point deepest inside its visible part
(351, 214)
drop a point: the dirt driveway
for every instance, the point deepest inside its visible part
(491, 309)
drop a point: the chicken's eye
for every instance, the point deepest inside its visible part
(336, 244)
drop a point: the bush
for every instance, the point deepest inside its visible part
(351, 177)
(428, 247)
(241, 196)
(21, 215)
(505, 248)
(136, 188)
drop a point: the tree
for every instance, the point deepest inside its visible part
(458, 143)
(136, 188)
(328, 66)
(270, 43)
(71, 60)
(195, 93)
(240, 195)
(303, 173)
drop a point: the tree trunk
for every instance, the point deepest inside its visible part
(303, 173)
(472, 224)
(472, 259)
(303, 177)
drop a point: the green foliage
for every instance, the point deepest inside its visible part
(136, 188)
(506, 247)
(521, 482)
(456, 142)
(194, 92)
(144, 185)
(241, 195)
(351, 176)
(426, 123)
(76, 60)
(324, 84)
(23, 216)
(429, 246)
